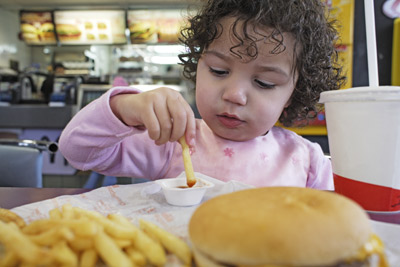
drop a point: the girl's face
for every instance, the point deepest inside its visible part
(241, 99)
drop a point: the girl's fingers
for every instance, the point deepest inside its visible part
(151, 123)
(165, 114)
(179, 117)
(165, 122)
(190, 128)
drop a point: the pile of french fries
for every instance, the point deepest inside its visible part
(73, 236)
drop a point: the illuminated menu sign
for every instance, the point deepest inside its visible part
(90, 27)
(37, 28)
(154, 26)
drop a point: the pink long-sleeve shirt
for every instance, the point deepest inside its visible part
(95, 139)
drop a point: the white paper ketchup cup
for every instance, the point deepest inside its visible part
(364, 140)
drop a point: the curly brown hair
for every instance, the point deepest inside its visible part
(316, 59)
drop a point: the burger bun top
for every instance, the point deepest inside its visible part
(278, 226)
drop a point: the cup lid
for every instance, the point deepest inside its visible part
(381, 93)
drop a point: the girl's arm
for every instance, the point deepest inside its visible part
(96, 139)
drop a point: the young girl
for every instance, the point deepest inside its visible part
(254, 63)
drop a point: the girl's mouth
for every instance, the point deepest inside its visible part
(229, 121)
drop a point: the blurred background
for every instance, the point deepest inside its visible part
(57, 56)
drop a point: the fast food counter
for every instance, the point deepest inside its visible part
(35, 116)
(38, 122)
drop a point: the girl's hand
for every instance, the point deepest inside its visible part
(163, 112)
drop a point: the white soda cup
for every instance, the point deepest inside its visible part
(364, 140)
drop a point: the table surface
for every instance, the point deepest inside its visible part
(11, 197)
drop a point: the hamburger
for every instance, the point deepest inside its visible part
(68, 32)
(283, 226)
(47, 32)
(143, 32)
(29, 32)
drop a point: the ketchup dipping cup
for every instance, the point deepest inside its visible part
(364, 140)
(177, 192)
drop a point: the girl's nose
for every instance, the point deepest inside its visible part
(236, 93)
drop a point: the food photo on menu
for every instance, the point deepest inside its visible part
(37, 28)
(228, 188)
(90, 27)
(154, 26)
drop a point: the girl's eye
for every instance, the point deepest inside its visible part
(218, 72)
(264, 85)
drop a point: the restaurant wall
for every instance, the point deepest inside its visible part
(11, 48)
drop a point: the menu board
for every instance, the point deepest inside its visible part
(37, 28)
(154, 26)
(90, 27)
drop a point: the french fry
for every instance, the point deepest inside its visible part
(55, 214)
(67, 211)
(109, 226)
(111, 254)
(170, 241)
(81, 226)
(64, 255)
(72, 236)
(122, 243)
(88, 258)
(52, 236)
(21, 245)
(187, 162)
(152, 250)
(38, 226)
(81, 243)
(10, 259)
(136, 256)
(9, 216)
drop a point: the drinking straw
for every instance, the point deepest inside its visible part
(371, 43)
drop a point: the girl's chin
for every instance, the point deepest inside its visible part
(238, 134)
(232, 135)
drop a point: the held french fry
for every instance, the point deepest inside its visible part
(171, 242)
(187, 162)
(111, 254)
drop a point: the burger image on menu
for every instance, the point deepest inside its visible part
(68, 32)
(29, 33)
(143, 32)
(47, 32)
(281, 227)
(37, 28)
